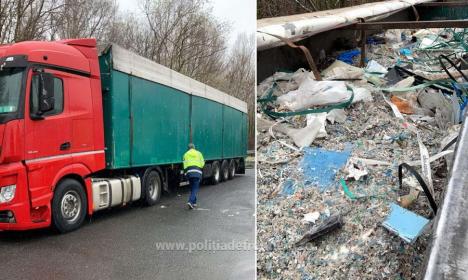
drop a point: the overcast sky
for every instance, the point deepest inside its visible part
(239, 13)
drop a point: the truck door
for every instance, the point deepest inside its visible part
(48, 136)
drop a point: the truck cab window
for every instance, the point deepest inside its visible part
(10, 88)
(58, 89)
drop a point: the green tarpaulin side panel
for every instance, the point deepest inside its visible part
(245, 136)
(160, 123)
(146, 123)
(233, 133)
(116, 115)
(119, 116)
(207, 127)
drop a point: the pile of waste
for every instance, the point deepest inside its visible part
(352, 166)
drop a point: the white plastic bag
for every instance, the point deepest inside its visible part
(315, 93)
(318, 93)
(342, 70)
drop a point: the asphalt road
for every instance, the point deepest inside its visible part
(122, 243)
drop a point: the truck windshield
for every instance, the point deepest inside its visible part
(10, 89)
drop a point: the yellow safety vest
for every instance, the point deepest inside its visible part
(193, 158)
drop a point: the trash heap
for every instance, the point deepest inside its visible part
(329, 152)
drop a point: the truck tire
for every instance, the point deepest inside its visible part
(232, 169)
(224, 170)
(215, 173)
(69, 206)
(151, 187)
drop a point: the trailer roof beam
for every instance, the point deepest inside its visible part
(409, 25)
(443, 4)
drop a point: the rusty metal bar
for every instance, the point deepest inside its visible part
(306, 52)
(362, 43)
(409, 25)
(363, 47)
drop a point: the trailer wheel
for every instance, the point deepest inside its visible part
(69, 206)
(215, 173)
(224, 170)
(152, 187)
(232, 169)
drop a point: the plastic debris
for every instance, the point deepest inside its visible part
(289, 187)
(316, 93)
(333, 223)
(404, 223)
(404, 106)
(339, 70)
(346, 189)
(315, 128)
(321, 166)
(348, 56)
(355, 170)
(313, 92)
(311, 217)
(377, 136)
(338, 115)
(375, 68)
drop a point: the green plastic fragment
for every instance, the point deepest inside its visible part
(346, 190)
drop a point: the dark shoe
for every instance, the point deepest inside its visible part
(190, 205)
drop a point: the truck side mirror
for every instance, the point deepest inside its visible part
(46, 93)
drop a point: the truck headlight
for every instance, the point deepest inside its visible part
(7, 193)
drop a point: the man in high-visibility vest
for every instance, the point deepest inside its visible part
(193, 167)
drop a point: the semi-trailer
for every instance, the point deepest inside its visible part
(82, 132)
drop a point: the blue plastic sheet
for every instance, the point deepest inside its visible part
(320, 166)
(348, 56)
(405, 223)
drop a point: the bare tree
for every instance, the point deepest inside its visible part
(239, 76)
(83, 19)
(22, 20)
(185, 37)
(275, 8)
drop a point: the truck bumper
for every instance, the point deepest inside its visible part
(17, 214)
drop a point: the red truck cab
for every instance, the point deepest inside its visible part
(51, 132)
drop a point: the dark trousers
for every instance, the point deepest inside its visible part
(194, 186)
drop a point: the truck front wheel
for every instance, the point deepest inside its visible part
(152, 187)
(68, 206)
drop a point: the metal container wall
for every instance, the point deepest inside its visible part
(160, 123)
(147, 123)
(234, 133)
(207, 127)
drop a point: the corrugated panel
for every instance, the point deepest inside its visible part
(233, 137)
(207, 127)
(131, 63)
(245, 134)
(116, 114)
(116, 122)
(160, 128)
(160, 123)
